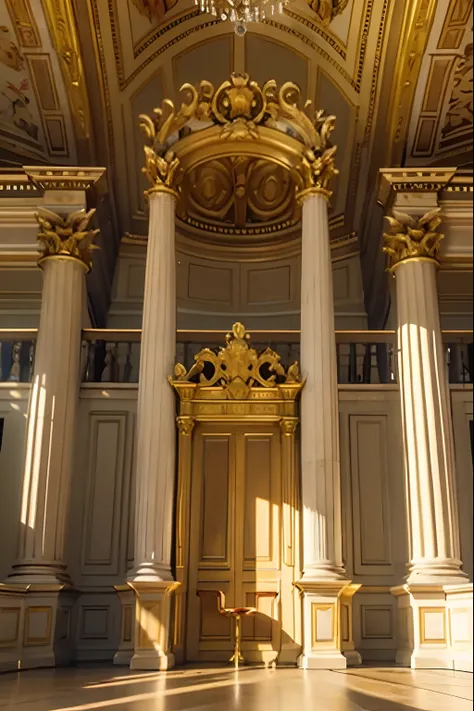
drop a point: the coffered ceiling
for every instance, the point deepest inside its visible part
(75, 74)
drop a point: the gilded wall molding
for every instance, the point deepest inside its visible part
(62, 26)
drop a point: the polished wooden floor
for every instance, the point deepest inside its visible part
(251, 689)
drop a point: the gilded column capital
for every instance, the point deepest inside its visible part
(161, 165)
(66, 235)
(288, 425)
(185, 425)
(317, 165)
(412, 238)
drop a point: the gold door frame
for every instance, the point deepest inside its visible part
(244, 387)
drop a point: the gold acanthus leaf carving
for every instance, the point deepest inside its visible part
(240, 106)
(238, 367)
(326, 10)
(67, 235)
(411, 238)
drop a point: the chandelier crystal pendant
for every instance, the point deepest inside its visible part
(240, 12)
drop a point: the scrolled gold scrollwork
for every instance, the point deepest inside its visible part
(411, 238)
(240, 106)
(67, 235)
(237, 367)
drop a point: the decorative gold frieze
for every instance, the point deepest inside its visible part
(70, 178)
(240, 112)
(326, 10)
(411, 238)
(411, 180)
(67, 235)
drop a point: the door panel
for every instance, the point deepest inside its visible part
(236, 505)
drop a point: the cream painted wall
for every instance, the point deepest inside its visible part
(100, 524)
(214, 294)
(13, 409)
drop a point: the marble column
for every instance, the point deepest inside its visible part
(324, 577)
(426, 405)
(52, 411)
(435, 567)
(151, 576)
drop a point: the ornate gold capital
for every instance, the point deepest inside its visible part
(411, 238)
(185, 425)
(288, 425)
(66, 235)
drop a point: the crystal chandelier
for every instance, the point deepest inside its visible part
(240, 12)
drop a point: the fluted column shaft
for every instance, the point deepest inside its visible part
(155, 463)
(321, 488)
(427, 427)
(51, 424)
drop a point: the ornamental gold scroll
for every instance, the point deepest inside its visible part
(240, 107)
(67, 235)
(412, 238)
(237, 367)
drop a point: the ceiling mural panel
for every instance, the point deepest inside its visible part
(442, 118)
(35, 121)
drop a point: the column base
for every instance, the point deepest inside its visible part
(152, 629)
(124, 654)
(152, 660)
(435, 626)
(36, 626)
(353, 658)
(322, 643)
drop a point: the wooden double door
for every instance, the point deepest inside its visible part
(240, 500)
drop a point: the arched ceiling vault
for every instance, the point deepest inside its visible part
(75, 74)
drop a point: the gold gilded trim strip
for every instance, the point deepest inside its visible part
(64, 35)
(24, 22)
(416, 28)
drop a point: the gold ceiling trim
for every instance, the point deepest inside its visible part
(61, 22)
(158, 32)
(325, 33)
(411, 180)
(315, 47)
(416, 28)
(24, 23)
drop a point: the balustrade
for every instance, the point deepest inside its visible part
(113, 356)
(17, 352)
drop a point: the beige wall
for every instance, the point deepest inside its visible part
(13, 409)
(101, 520)
(214, 294)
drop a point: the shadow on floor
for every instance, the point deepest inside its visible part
(367, 702)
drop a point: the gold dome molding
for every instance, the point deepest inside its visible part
(219, 141)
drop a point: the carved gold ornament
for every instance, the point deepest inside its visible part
(411, 238)
(67, 235)
(241, 108)
(237, 367)
(326, 10)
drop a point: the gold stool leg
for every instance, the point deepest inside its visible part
(237, 656)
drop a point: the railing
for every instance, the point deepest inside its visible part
(113, 356)
(17, 353)
(362, 356)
